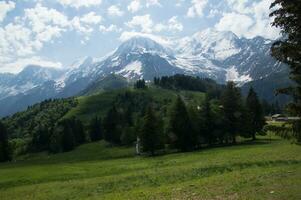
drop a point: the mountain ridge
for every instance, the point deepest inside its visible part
(221, 56)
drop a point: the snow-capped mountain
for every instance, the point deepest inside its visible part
(221, 56)
(30, 77)
(210, 44)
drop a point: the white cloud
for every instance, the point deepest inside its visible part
(114, 10)
(248, 19)
(150, 3)
(174, 24)
(5, 7)
(39, 17)
(197, 8)
(134, 6)
(237, 23)
(213, 13)
(91, 18)
(17, 65)
(144, 22)
(80, 3)
(111, 28)
(240, 6)
(26, 36)
(179, 3)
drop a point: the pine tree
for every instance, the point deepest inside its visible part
(232, 107)
(208, 122)
(95, 130)
(287, 17)
(180, 125)
(112, 126)
(151, 132)
(78, 131)
(255, 113)
(65, 135)
(140, 84)
(5, 154)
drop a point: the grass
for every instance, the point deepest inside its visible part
(98, 104)
(260, 170)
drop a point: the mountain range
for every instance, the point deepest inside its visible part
(221, 56)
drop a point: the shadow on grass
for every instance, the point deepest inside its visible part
(103, 155)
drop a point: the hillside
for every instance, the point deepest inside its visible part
(260, 170)
(98, 104)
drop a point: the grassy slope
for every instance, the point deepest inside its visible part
(94, 171)
(90, 106)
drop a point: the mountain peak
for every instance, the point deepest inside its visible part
(142, 44)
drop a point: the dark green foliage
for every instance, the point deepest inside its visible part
(126, 114)
(232, 108)
(183, 82)
(40, 139)
(181, 127)
(151, 132)
(140, 84)
(95, 129)
(287, 17)
(45, 115)
(297, 130)
(128, 136)
(5, 153)
(207, 122)
(271, 109)
(67, 134)
(255, 116)
(112, 126)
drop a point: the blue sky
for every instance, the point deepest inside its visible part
(57, 32)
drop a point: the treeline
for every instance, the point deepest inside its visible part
(174, 122)
(31, 130)
(184, 127)
(184, 82)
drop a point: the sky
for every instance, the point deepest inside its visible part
(55, 33)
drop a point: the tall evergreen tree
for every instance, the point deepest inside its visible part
(112, 126)
(78, 131)
(151, 132)
(255, 113)
(208, 122)
(5, 154)
(232, 107)
(287, 17)
(140, 84)
(180, 125)
(68, 137)
(95, 129)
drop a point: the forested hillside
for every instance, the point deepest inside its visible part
(187, 113)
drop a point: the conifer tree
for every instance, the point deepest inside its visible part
(232, 108)
(180, 125)
(208, 122)
(78, 131)
(95, 130)
(5, 154)
(151, 132)
(68, 137)
(287, 17)
(255, 114)
(111, 124)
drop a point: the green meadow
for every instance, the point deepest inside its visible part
(265, 169)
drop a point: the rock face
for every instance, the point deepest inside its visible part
(221, 56)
